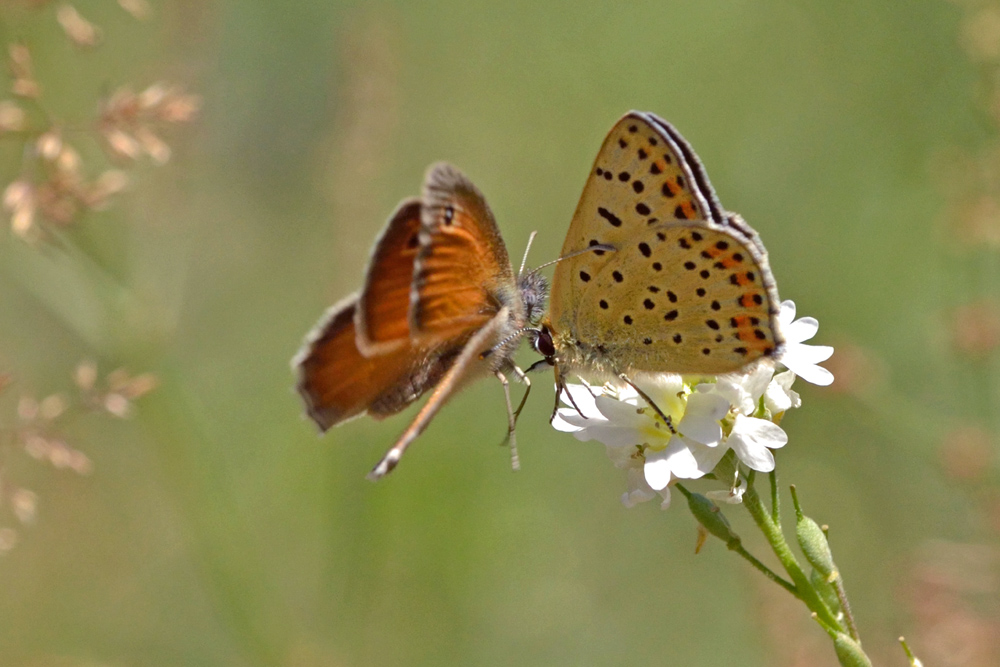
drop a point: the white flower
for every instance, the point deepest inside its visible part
(639, 491)
(733, 496)
(638, 440)
(779, 397)
(731, 412)
(799, 358)
(743, 390)
(752, 438)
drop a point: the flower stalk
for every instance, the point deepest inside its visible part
(726, 428)
(771, 530)
(710, 516)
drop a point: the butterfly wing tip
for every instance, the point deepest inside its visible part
(322, 419)
(385, 466)
(322, 425)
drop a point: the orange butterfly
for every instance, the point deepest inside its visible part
(440, 307)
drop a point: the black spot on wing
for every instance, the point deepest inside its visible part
(610, 217)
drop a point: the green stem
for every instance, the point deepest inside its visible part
(845, 606)
(719, 527)
(775, 498)
(772, 532)
(764, 569)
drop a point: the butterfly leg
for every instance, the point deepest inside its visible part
(555, 408)
(523, 377)
(560, 390)
(666, 418)
(511, 438)
(442, 393)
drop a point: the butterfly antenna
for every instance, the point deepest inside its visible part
(593, 248)
(524, 260)
(505, 341)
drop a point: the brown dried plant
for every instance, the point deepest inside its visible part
(52, 186)
(40, 428)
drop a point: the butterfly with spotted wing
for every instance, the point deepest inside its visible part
(687, 287)
(440, 307)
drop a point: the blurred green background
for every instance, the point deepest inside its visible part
(217, 529)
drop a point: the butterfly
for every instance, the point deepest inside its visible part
(687, 287)
(440, 307)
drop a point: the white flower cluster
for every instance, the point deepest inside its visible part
(710, 416)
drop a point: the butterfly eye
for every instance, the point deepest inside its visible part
(449, 214)
(543, 343)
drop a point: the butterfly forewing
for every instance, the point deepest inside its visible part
(641, 177)
(462, 260)
(708, 313)
(383, 307)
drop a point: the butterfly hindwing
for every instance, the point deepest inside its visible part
(337, 382)
(382, 315)
(709, 312)
(686, 287)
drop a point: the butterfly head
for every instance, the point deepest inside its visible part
(534, 289)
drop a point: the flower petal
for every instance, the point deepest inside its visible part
(757, 380)
(808, 354)
(666, 390)
(809, 372)
(767, 434)
(787, 312)
(657, 470)
(610, 434)
(619, 412)
(691, 460)
(706, 458)
(665, 494)
(633, 497)
(731, 496)
(801, 330)
(730, 387)
(779, 397)
(622, 457)
(706, 406)
(701, 419)
(567, 420)
(751, 453)
(583, 398)
(704, 431)
(751, 438)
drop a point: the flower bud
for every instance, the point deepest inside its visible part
(708, 514)
(813, 542)
(914, 660)
(849, 652)
(826, 590)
